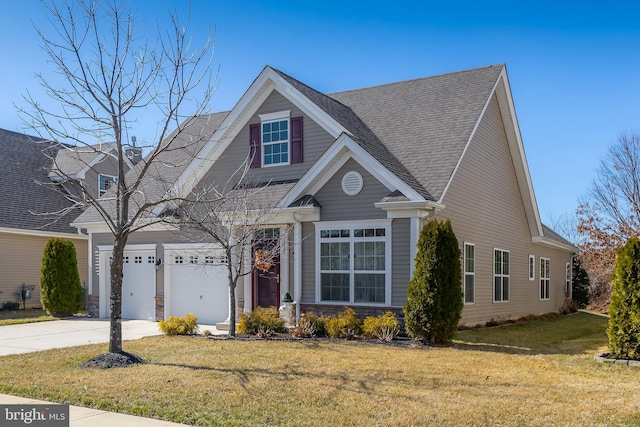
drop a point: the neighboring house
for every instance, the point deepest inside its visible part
(92, 168)
(33, 210)
(355, 174)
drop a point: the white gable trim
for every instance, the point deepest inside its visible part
(343, 149)
(102, 155)
(267, 82)
(502, 91)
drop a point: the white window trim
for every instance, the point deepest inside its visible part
(464, 273)
(332, 225)
(102, 192)
(275, 117)
(532, 268)
(548, 278)
(493, 284)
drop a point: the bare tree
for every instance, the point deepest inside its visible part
(110, 78)
(234, 215)
(610, 212)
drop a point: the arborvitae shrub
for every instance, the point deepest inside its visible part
(434, 301)
(174, 325)
(345, 325)
(580, 285)
(261, 321)
(60, 288)
(384, 327)
(624, 310)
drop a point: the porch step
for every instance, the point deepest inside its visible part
(224, 326)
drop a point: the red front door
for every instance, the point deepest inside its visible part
(266, 284)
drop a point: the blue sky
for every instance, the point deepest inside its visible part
(574, 66)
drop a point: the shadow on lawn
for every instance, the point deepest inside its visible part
(342, 381)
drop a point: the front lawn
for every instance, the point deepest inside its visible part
(533, 374)
(30, 315)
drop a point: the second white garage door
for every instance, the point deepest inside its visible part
(196, 282)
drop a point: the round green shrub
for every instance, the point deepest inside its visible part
(624, 310)
(434, 301)
(384, 327)
(60, 288)
(345, 325)
(174, 325)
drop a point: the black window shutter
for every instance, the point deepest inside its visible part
(296, 140)
(255, 155)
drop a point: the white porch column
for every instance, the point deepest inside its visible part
(414, 235)
(297, 265)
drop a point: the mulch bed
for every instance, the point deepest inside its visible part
(113, 360)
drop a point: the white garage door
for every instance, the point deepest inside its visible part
(138, 282)
(196, 282)
(138, 285)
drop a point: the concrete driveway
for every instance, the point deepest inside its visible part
(16, 339)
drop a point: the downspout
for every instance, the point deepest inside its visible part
(297, 264)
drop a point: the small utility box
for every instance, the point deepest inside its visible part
(25, 294)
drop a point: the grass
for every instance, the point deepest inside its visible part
(531, 374)
(30, 315)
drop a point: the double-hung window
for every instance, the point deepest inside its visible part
(104, 183)
(276, 140)
(354, 262)
(469, 273)
(500, 275)
(544, 278)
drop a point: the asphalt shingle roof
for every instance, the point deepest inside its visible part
(425, 123)
(26, 192)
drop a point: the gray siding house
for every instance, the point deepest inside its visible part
(355, 175)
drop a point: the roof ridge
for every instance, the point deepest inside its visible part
(415, 79)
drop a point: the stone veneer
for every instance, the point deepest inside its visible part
(93, 305)
(159, 308)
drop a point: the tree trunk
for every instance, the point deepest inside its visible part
(232, 309)
(115, 325)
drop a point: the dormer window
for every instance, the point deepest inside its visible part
(276, 140)
(104, 183)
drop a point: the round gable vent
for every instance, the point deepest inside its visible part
(352, 183)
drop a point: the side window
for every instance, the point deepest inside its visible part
(500, 275)
(468, 289)
(544, 278)
(532, 267)
(104, 183)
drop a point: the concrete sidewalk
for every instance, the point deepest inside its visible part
(87, 417)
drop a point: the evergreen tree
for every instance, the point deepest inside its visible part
(624, 310)
(60, 288)
(580, 285)
(434, 302)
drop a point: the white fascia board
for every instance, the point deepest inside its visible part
(143, 247)
(343, 149)
(247, 106)
(409, 209)
(39, 233)
(555, 244)
(196, 246)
